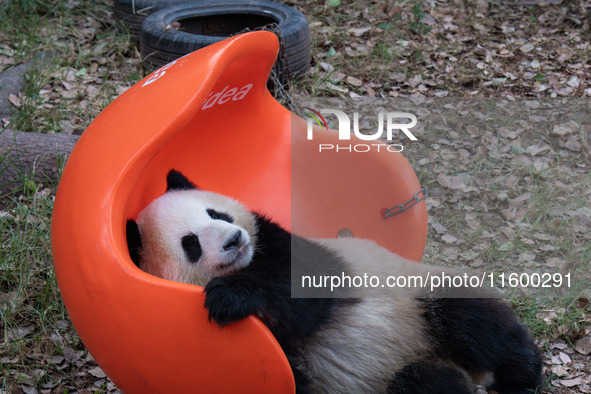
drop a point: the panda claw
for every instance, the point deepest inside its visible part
(227, 304)
(219, 320)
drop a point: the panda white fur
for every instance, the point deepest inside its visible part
(412, 343)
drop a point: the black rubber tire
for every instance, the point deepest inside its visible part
(133, 12)
(159, 44)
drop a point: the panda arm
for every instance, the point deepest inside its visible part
(232, 298)
(263, 288)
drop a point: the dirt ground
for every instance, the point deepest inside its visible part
(501, 89)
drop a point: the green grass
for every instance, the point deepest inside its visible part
(552, 318)
(91, 57)
(24, 22)
(416, 24)
(30, 304)
(92, 61)
(92, 52)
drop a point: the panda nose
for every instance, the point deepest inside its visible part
(234, 241)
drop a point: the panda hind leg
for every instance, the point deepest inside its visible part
(483, 336)
(427, 377)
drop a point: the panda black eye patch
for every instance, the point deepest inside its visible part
(220, 216)
(192, 247)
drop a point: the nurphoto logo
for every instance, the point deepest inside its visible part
(392, 123)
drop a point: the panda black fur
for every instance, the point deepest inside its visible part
(409, 344)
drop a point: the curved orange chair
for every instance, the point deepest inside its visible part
(209, 115)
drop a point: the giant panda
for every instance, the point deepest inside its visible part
(412, 343)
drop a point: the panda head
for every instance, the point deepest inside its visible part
(190, 235)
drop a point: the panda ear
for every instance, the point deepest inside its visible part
(177, 181)
(134, 241)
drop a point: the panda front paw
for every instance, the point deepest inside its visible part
(228, 302)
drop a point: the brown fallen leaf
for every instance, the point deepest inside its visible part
(473, 130)
(571, 382)
(567, 128)
(512, 134)
(456, 182)
(472, 222)
(19, 332)
(538, 149)
(540, 165)
(358, 31)
(72, 355)
(354, 81)
(515, 215)
(542, 237)
(554, 262)
(583, 345)
(526, 48)
(573, 144)
(564, 358)
(97, 372)
(15, 100)
(518, 201)
(69, 94)
(439, 228)
(559, 370)
(449, 238)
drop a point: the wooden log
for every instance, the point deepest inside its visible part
(12, 80)
(33, 156)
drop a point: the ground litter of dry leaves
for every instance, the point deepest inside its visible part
(509, 179)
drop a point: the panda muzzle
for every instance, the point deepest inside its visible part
(234, 242)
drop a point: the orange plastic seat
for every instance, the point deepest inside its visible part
(209, 115)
